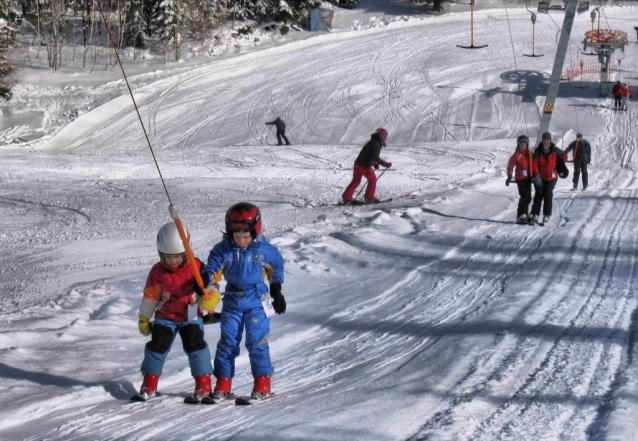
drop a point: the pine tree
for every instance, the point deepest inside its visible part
(135, 24)
(7, 40)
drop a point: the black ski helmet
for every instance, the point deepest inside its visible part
(243, 217)
(522, 138)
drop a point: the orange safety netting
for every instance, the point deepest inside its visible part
(587, 66)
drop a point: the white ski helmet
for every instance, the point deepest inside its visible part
(169, 241)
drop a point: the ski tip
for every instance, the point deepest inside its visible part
(247, 400)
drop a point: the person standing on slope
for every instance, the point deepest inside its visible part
(617, 91)
(281, 130)
(247, 261)
(521, 162)
(582, 158)
(626, 93)
(169, 296)
(545, 159)
(368, 158)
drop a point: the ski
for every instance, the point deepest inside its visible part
(137, 398)
(210, 400)
(360, 203)
(523, 223)
(248, 401)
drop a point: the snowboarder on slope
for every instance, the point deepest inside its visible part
(246, 260)
(617, 91)
(368, 158)
(545, 159)
(582, 158)
(522, 161)
(169, 295)
(281, 130)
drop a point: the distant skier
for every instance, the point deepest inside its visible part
(626, 93)
(247, 261)
(522, 161)
(281, 130)
(368, 158)
(617, 91)
(582, 158)
(546, 157)
(169, 296)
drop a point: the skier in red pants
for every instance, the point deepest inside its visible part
(368, 158)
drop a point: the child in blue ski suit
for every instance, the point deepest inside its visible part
(245, 259)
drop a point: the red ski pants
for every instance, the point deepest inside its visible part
(359, 171)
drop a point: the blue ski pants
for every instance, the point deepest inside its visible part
(163, 335)
(237, 313)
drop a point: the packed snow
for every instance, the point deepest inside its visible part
(432, 316)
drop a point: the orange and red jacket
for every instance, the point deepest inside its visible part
(545, 164)
(626, 91)
(168, 292)
(520, 160)
(617, 90)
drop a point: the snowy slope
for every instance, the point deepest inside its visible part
(430, 317)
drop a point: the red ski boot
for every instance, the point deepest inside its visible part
(220, 393)
(202, 389)
(148, 389)
(261, 390)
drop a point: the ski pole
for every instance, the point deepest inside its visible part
(379, 177)
(171, 208)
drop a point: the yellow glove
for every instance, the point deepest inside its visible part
(144, 325)
(213, 299)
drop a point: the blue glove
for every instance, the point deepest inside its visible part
(538, 182)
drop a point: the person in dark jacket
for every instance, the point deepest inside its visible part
(545, 157)
(521, 162)
(582, 158)
(617, 91)
(368, 158)
(281, 130)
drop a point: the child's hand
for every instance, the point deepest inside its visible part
(213, 299)
(144, 325)
(279, 302)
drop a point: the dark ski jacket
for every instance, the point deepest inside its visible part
(582, 151)
(369, 154)
(545, 164)
(521, 161)
(279, 123)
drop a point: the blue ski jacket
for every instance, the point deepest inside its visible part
(245, 269)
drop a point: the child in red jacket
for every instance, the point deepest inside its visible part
(545, 159)
(169, 296)
(522, 161)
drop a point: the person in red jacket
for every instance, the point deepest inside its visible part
(521, 162)
(626, 93)
(170, 296)
(545, 158)
(617, 91)
(368, 158)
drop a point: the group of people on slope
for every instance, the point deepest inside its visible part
(621, 92)
(542, 168)
(247, 261)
